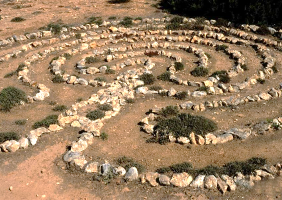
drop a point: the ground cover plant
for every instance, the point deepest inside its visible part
(95, 114)
(4, 136)
(10, 97)
(46, 122)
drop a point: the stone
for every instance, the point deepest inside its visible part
(198, 182)
(181, 179)
(208, 83)
(209, 138)
(79, 162)
(120, 171)
(71, 79)
(106, 169)
(183, 140)
(70, 155)
(200, 140)
(151, 177)
(92, 167)
(264, 174)
(13, 146)
(23, 143)
(79, 146)
(164, 180)
(172, 92)
(221, 185)
(241, 134)
(243, 182)
(75, 124)
(199, 94)
(210, 182)
(55, 128)
(148, 128)
(223, 138)
(264, 96)
(193, 138)
(131, 174)
(230, 182)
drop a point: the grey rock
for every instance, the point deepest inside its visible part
(199, 94)
(241, 134)
(120, 171)
(151, 177)
(92, 167)
(70, 155)
(131, 174)
(198, 182)
(164, 180)
(106, 169)
(223, 138)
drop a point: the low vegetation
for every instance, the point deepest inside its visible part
(222, 76)
(21, 122)
(51, 119)
(104, 136)
(164, 76)
(178, 66)
(95, 114)
(200, 71)
(126, 22)
(148, 79)
(127, 163)
(105, 107)
(95, 20)
(18, 19)
(119, 1)
(4, 136)
(90, 59)
(60, 108)
(10, 97)
(58, 79)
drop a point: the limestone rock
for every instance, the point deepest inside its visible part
(221, 185)
(120, 171)
(183, 140)
(193, 138)
(79, 146)
(13, 146)
(92, 167)
(200, 140)
(131, 174)
(223, 138)
(23, 143)
(151, 177)
(230, 182)
(210, 182)
(164, 180)
(70, 155)
(54, 128)
(198, 182)
(181, 179)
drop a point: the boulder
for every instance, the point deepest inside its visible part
(210, 182)
(55, 128)
(151, 177)
(120, 171)
(198, 182)
(92, 167)
(79, 146)
(221, 185)
(181, 179)
(70, 155)
(199, 94)
(264, 96)
(172, 92)
(209, 138)
(229, 181)
(131, 174)
(223, 138)
(241, 134)
(200, 140)
(13, 146)
(183, 140)
(106, 169)
(192, 138)
(23, 143)
(164, 180)
(264, 174)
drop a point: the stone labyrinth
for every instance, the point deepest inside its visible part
(120, 61)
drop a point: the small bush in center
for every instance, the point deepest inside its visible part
(10, 97)
(8, 136)
(148, 79)
(178, 66)
(96, 114)
(51, 119)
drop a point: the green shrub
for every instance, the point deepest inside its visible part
(112, 18)
(164, 76)
(54, 28)
(261, 81)
(274, 68)
(10, 74)
(58, 79)
(222, 75)
(52, 103)
(127, 22)
(104, 136)
(60, 108)
(10, 97)
(245, 67)
(105, 107)
(127, 163)
(78, 36)
(169, 111)
(177, 19)
(182, 125)
(181, 167)
(79, 99)
(21, 122)
(51, 119)
(163, 170)
(208, 55)
(178, 66)
(90, 59)
(95, 20)
(96, 114)
(148, 79)
(138, 18)
(263, 30)
(100, 79)
(17, 19)
(221, 22)
(110, 71)
(200, 71)
(119, 1)
(221, 47)
(151, 53)
(130, 100)
(203, 88)
(155, 88)
(4, 136)
(181, 95)
(67, 56)
(210, 170)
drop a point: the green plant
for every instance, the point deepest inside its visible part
(78, 36)
(245, 67)
(90, 59)
(163, 170)
(208, 55)
(200, 71)
(203, 88)
(169, 111)
(104, 136)
(105, 107)
(274, 68)
(54, 28)
(263, 30)
(51, 119)
(138, 18)
(164, 76)
(10, 97)
(261, 81)
(52, 103)
(10, 74)
(95, 20)
(221, 22)
(79, 99)
(119, 1)
(181, 167)
(21, 122)
(222, 75)
(60, 108)
(210, 170)
(100, 79)
(17, 19)
(127, 22)
(148, 79)
(182, 125)
(178, 66)
(67, 56)
(4, 136)
(58, 79)
(155, 88)
(130, 100)
(112, 18)
(110, 71)
(96, 114)
(181, 95)
(221, 47)
(127, 163)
